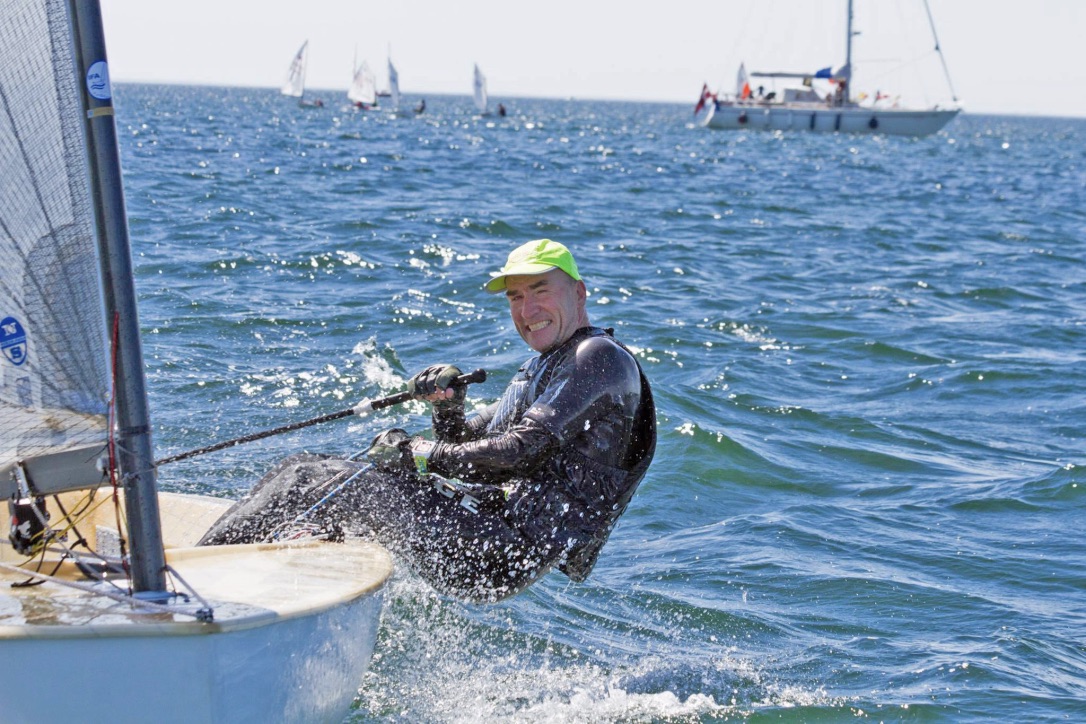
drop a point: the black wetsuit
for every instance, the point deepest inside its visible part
(535, 480)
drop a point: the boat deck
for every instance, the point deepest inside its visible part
(244, 584)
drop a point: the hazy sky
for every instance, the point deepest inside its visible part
(1003, 56)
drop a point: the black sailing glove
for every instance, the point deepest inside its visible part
(436, 379)
(390, 450)
(393, 450)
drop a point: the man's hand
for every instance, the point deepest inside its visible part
(432, 385)
(390, 450)
(394, 450)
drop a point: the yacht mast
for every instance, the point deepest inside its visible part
(847, 74)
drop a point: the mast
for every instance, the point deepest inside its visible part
(848, 54)
(133, 426)
(848, 38)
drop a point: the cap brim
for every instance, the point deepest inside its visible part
(497, 284)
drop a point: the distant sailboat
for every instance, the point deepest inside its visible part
(363, 90)
(393, 87)
(479, 85)
(295, 83)
(805, 109)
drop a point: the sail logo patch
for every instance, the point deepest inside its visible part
(13, 340)
(98, 81)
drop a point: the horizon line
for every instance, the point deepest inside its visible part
(419, 94)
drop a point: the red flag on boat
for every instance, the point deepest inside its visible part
(705, 97)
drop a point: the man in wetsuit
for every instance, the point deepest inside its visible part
(533, 481)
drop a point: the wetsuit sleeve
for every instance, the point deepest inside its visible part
(477, 425)
(588, 403)
(450, 425)
(519, 451)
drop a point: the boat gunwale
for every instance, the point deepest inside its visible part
(372, 584)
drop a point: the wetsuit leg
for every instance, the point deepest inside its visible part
(463, 546)
(272, 507)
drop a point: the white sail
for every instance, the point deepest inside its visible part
(54, 380)
(742, 82)
(393, 85)
(479, 86)
(295, 83)
(363, 90)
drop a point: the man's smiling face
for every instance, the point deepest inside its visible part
(546, 308)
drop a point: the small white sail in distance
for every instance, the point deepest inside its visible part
(480, 90)
(363, 90)
(393, 85)
(295, 83)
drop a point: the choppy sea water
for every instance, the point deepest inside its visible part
(868, 353)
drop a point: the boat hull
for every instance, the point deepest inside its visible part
(799, 117)
(306, 669)
(293, 633)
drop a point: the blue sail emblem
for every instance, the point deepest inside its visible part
(13, 340)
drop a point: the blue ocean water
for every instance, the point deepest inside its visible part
(868, 353)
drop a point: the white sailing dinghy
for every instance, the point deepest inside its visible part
(106, 613)
(805, 109)
(363, 90)
(479, 92)
(294, 86)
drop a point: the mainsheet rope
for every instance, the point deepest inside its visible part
(361, 409)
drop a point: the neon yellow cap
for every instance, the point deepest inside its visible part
(535, 257)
